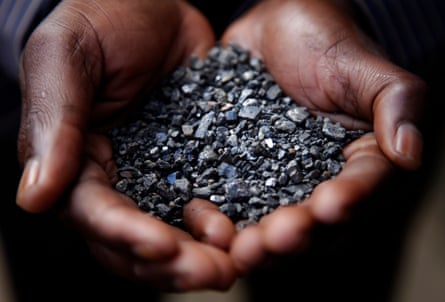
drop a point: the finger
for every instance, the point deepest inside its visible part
(104, 215)
(392, 98)
(208, 224)
(247, 249)
(398, 109)
(197, 266)
(366, 167)
(287, 229)
(57, 84)
(368, 86)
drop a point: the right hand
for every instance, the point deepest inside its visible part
(81, 69)
(142, 248)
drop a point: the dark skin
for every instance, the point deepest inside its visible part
(75, 77)
(323, 60)
(85, 66)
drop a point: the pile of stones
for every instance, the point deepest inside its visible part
(221, 129)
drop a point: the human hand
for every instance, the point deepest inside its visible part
(320, 58)
(138, 246)
(81, 69)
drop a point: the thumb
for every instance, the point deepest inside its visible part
(396, 100)
(57, 90)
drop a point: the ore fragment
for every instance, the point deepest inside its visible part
(221, 129)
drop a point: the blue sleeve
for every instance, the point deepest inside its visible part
(17, 19)
(411, 31)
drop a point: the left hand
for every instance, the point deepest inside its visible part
(320, 58)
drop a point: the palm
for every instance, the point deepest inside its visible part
(310, 54)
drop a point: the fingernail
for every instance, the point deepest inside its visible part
(29, 178)
(409, 143)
